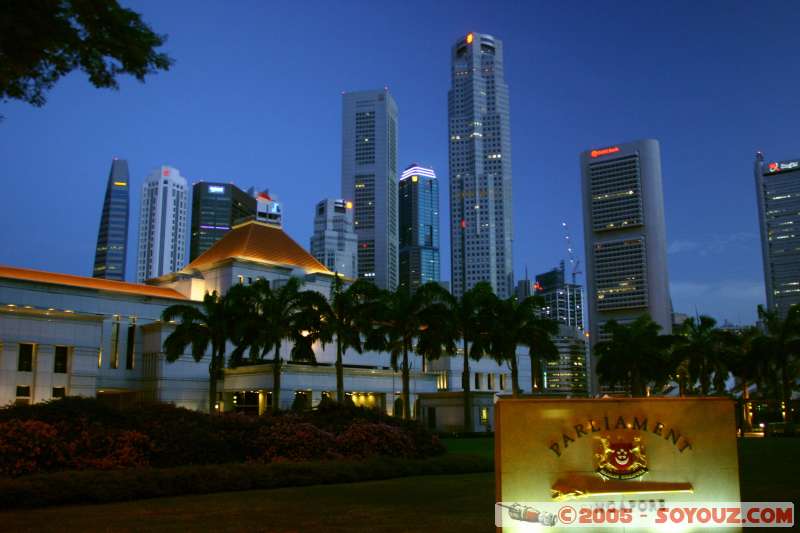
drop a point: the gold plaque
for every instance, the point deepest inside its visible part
(633, 451)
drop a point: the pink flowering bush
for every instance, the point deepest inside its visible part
(292, 440)
(366, 439)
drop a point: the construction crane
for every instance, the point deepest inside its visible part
(574, 262)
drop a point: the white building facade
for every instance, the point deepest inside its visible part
(63, 335)
(163, 223)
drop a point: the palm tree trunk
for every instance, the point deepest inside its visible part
(406, 384)
(787, 392)
(536, 374)
(212, 381)
(515, 377)
(339, 372)
(276, 380)
(682, 384)
(465, 375)
(746, 422)
(637, 387)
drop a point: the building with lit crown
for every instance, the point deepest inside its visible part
(369, 180)
(163, 223)
(419, 227)
(481, 231)
(65, 335)
(778, 197)
(216, 207)
(334, 241)
(111, 252)
(625, 236)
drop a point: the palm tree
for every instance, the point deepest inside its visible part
(780, 346)
(472, 324)
(516, 323)
(701, 350)
(745, 365)
(280, 314)
(537, 335)
(200, 327)
(343, 317)
(635, 354)
(397, 321)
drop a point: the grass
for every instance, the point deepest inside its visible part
(770, 469)
(483, 446)
(430, 503)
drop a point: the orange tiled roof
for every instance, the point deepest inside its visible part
(40, 276)
(260, 242)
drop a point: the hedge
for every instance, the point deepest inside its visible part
(89, 486)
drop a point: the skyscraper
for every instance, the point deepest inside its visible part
(163, 223)
(625, 235)
(778, 193)
(419, 227)
(481, 232)
(369, 180)
(563, 301)
(215, 209)
(334, 242)
(111, 252)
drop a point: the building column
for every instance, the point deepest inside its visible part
(316, 397)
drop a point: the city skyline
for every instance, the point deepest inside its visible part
(714, 267)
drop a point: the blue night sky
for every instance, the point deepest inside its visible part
(255, 98)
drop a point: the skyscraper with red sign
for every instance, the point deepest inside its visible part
(625, 236)
(778, 194)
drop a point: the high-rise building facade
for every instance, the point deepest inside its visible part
(481, 232)
(334, 242)
(369, 180)
(563, 302)
(778, 193)
(111, 252)
(419, 227)
(215, 209)
(625, 235)
(163, 223)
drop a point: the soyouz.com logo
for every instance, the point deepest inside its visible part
(646, 513)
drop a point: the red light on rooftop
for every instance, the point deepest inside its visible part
(537, 286)
(470, 38)
(604, 151)
(774, 167)
(165, 172)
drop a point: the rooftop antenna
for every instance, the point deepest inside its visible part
(574, 262)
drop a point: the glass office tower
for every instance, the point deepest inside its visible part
(419, 227)
(112, 238)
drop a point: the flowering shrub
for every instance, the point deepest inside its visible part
(292, 440)
(85, 434)
(364, 439)
(28, 446)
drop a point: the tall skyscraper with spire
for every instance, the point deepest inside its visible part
(369, 180)
(481, 231)
(163, 223)
(111, 252)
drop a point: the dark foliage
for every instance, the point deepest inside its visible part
(119, 485)
(85, 433)
(43, 40)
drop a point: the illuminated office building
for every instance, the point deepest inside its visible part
(111, 252)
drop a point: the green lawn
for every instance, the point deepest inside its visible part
(461, 504)
(770, 469)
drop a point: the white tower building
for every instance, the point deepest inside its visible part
(369, 180)
(163, 224)
(334, 242)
